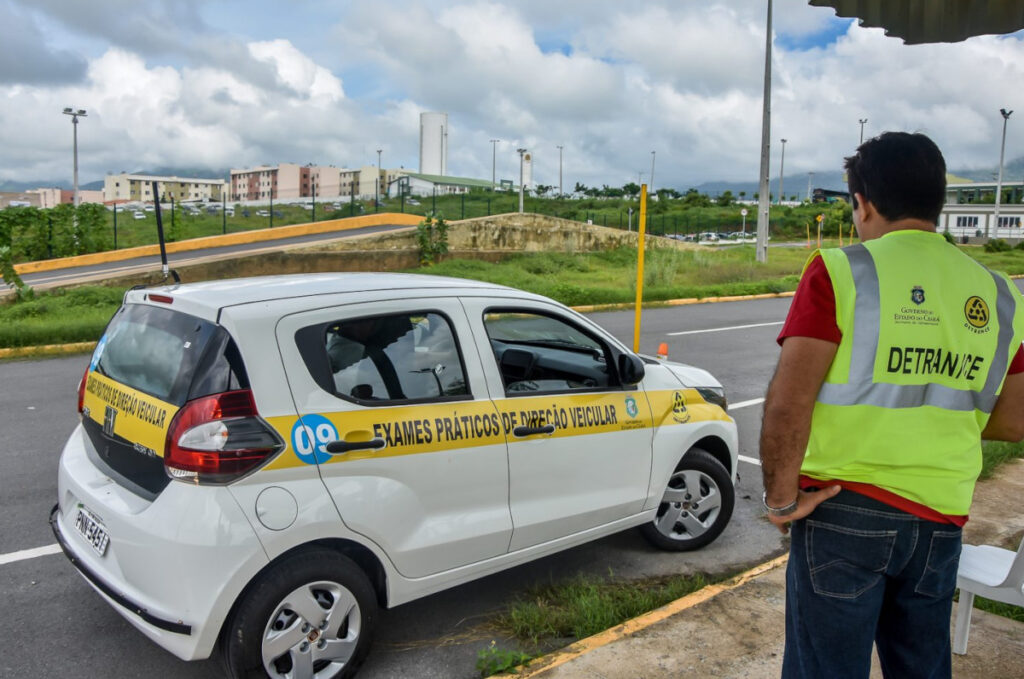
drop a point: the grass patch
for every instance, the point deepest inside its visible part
(583, 606)
(995, 453)
(999, 608)
(609, 277)
(58, 316)
(492, 660)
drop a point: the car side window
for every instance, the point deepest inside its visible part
(537, 353)
(399, 357)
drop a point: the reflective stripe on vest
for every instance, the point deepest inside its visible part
(861, 389)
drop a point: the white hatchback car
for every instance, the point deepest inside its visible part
(263, 462)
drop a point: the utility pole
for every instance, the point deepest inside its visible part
(766, 128)
(810, 176)
(75, 115)
(560, 194)
(999, 182)
(494, 151)
(862, 121)
(651, 187)
(520, 152)
(782, 171)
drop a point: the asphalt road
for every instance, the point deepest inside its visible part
(81, 274)
(57, 626)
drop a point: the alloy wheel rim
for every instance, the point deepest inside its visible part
(312, 632)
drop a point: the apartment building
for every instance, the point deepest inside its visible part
(124, 187)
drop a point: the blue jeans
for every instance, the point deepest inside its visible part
(862, 571)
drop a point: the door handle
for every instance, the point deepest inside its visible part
(530, 431)
(338, 447)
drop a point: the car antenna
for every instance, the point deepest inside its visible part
(160, 237)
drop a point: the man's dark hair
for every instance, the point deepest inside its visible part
(902, 174)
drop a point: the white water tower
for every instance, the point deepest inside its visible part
(434, 143)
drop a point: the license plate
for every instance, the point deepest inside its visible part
(94, 532)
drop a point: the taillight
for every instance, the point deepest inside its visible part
(81, 390)
(218, 438)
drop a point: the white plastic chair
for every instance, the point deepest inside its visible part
(991, 572)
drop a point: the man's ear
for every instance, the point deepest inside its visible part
(862, 204)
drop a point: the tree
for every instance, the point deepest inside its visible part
(580, 188)
(743, 194)
(725, 199)
(542, 189)
(631, 189)
(694, 198)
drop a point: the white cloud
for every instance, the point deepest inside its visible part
(611, 83)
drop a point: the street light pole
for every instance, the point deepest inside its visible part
(862, 121)
(810, 176)
(520, 152)
(651, 187)
(766, 127)
(560, 194)
(494, 151)
(75, 115)
(782, 171)
(378, 159)
(999, 182)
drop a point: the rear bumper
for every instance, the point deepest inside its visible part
(173, 567)
(178, 627)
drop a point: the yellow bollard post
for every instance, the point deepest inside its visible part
(641, 231)
(851, 233)
(808, 246)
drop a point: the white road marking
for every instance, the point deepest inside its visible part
(745, 404)
(732, 327)
(751, 460)
(24, 554)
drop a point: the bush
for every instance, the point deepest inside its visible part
(997, 245)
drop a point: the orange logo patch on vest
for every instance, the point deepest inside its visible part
(976, 311)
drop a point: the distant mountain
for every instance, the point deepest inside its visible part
(796, 185)
(97, 184)
(1013, 171)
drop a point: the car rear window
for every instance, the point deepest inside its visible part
(154, 350)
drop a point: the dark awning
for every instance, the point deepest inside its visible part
(924, 21)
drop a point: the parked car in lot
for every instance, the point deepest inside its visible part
(138, 215)
(262, 213)
(261, 463)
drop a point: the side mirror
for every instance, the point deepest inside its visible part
(631, 368)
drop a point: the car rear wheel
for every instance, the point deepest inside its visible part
(696, 506)
(311, 616)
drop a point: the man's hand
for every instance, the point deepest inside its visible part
(806, 503)
(786, 425)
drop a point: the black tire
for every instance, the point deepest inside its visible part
(312, 615)
(696, 506)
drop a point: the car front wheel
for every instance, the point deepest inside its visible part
(696, 506)
(310, 616)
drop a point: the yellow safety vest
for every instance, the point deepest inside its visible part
(928, 334)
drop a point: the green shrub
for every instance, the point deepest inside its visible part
(997, 245)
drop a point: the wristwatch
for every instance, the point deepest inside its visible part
(779, 511)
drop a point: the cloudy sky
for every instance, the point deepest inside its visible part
(207, 84)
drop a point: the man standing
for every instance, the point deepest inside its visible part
(893, 367)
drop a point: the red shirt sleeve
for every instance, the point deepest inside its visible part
(813, 311)
(1017, 364)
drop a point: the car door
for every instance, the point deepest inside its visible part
(395, 412)
(579, 442)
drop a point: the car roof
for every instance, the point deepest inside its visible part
(214, 295)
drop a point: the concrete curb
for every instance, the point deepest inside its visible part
(239, 238)
(47, 350)
(630, 627)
